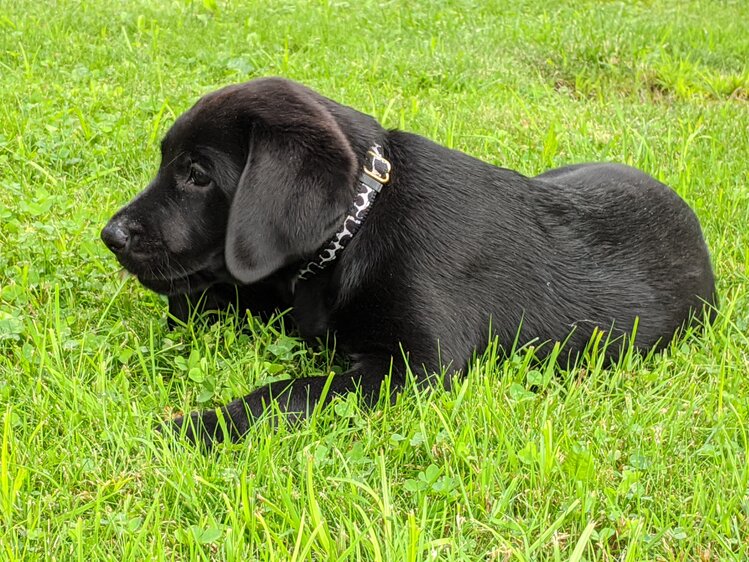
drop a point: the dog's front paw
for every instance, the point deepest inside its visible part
(199, 428)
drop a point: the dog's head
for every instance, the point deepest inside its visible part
(253, 178)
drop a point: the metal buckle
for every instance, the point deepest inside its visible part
(373, 172)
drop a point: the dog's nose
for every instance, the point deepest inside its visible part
(116, 237)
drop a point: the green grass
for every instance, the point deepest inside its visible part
(644, 462)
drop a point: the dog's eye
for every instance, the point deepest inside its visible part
(198, 177)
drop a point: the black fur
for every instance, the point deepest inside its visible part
(256, 177)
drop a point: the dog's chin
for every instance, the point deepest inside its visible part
(172, 286)
(167, 281)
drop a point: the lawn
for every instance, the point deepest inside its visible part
(647, 461)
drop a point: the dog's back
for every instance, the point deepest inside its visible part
(549, 258)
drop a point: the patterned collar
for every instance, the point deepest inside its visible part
(375, 174)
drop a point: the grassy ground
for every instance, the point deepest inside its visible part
(644, 462)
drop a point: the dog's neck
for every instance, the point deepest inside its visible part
(374, 176)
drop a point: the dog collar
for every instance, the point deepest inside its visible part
(375, 174)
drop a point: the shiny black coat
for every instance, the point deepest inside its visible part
(256, 177)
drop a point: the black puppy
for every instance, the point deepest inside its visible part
(266, 194)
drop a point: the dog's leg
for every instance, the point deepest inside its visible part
(260, 300)
(180, 308)
(295, 399)
(213, 299)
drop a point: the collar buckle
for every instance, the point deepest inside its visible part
(377, 166)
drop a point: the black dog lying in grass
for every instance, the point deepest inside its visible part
(277, 197)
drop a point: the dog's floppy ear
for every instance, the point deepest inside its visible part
(297, 183)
